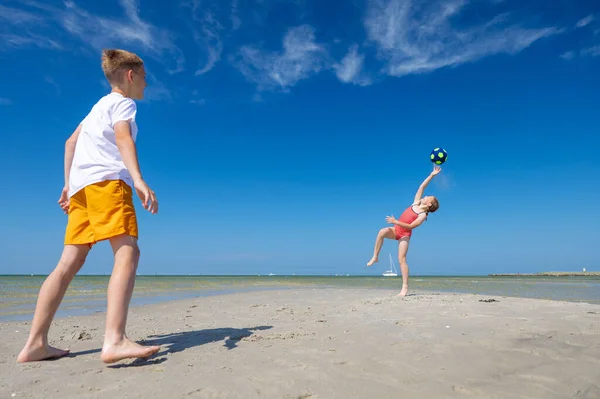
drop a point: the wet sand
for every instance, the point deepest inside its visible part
(324, 343)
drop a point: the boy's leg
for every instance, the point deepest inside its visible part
(402, 251)
(50, 297)
(386, 232)
(120, 288)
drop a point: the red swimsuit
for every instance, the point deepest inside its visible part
(408, 216)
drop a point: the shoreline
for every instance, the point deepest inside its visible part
(88, 295)
(88, 308)
(325, 343)
(549, 274)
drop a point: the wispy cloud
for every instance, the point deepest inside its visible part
(591, 51)
(584, 21)
(407, 36)
(5, 101)
(414, 38)
(18, 29)
(18, 17)
(236, 22)
(300, 58)
(52, 83)
(156, 90)
(569, 55)
(206, 31)
(350, 68)
(94, 31)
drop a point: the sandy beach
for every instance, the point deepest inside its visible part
(325, 343)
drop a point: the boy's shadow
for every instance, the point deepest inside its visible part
(178, 342)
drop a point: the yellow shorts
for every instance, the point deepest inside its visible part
(101, 211)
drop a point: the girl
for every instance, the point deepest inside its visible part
(411, 218)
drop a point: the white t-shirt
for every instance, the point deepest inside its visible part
(97, 157)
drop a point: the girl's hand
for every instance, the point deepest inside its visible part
(390, 219)
(436, 169)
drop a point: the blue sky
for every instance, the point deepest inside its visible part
(278, 135)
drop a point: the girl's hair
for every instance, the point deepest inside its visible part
(115, 62)
(435, 205)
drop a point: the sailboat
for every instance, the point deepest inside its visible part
(392, 271)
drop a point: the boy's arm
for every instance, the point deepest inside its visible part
(415, 224)
(421, 190)
(70, 153)
(128, 152)
(127, 149)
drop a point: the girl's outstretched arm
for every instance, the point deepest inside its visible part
(419, 194)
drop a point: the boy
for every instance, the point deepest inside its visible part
(101, 167)
(411, 218)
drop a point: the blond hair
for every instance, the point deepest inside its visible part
(115, 62)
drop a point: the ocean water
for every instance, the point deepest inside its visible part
(87, 294)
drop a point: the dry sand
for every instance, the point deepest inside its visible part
(325, 343)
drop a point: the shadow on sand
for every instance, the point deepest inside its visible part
(178, 342)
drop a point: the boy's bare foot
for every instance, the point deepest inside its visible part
(403, 292)
(126, 349)
(37, 353)
(373, 260)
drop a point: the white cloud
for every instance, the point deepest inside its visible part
(18, 29)
(5, 101)
(414, 38)
(591, 51)
(236, 22)
(584, 21)
(206, 32)
(96, 32)
(52, 83)
(300, 58)
(214, 45)
(156, 90)
(26, 38)
(18, 17)
(349, 70)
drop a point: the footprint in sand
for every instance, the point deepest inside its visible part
(464, 391)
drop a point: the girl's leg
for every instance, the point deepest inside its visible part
(402, 251)
(386, 232)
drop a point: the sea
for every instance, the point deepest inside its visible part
(87, 294)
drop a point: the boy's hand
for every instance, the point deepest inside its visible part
(436, 170)
(390, 219)
(63, 201)
(147, 196)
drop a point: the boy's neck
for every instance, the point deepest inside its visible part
(116, 89)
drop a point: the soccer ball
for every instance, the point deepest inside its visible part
(439, 156)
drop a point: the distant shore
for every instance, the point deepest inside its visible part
(552, 274)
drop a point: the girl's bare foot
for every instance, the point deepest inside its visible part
(42, 352)
(126, 349)
(403, 292)
(373, 260)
